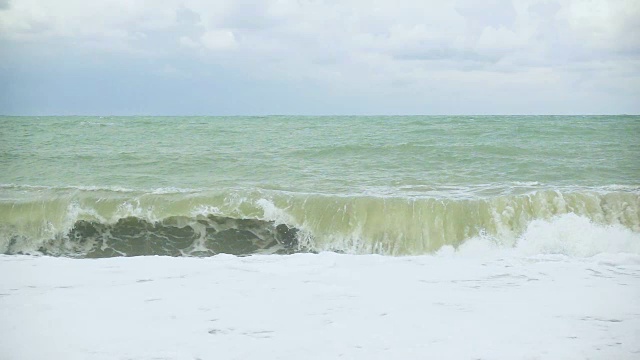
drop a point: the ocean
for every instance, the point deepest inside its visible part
(393, 185)
(447, 237)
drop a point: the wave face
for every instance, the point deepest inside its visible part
(173, 236)
(118, 222)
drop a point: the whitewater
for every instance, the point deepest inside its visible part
(320, 237)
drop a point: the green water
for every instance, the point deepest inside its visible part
(343, 155)
(367, 184)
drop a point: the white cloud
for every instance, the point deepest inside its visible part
(218, 40)
(501, 39)
(384, 46)
(612, 25)
(188, 42)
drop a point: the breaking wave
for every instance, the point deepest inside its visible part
(94, 222)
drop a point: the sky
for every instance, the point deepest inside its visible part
(319, 57)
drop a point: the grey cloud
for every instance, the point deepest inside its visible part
(295, 45)
(447, 54)
(187, 17)
(491, 13)
(546, 9)
(246, 14)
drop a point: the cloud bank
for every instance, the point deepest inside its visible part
(320, 57)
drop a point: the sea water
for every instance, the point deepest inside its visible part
(391, 185)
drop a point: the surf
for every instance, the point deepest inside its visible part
(98, 222)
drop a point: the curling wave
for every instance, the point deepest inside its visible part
(119, 222)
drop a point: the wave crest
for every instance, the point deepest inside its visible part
(106, 223)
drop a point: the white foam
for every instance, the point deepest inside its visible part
(135, 209)
(567, 234)
(575, 235)
(324, 306)
(205, 210)
(274, 213)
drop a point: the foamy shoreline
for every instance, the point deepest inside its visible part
(323, 306)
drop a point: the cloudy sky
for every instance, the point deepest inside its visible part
(224, 57)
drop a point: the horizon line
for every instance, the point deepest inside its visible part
(304, 115)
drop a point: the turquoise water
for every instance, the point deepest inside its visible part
(391, 185)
